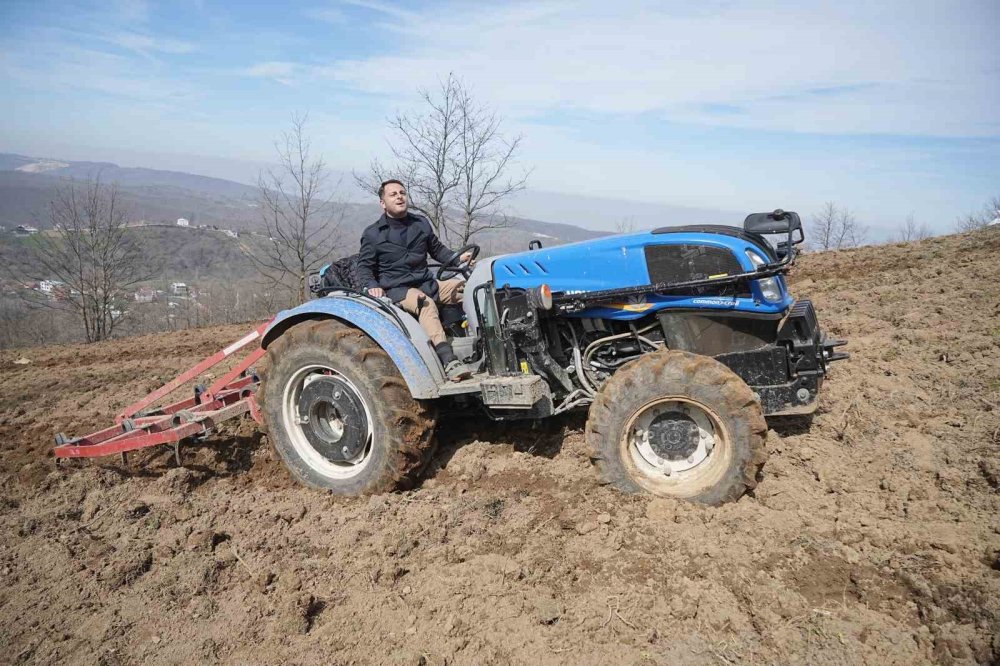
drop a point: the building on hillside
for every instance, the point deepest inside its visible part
(25, 230)
(144, 295)
(63, 292)
(231, 233)
(47, 287)
(183, 222)
(179, 289)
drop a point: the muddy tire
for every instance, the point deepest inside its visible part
(339, 413)
(680, 425)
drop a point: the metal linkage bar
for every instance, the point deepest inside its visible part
(194, 372)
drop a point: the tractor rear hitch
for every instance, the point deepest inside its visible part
(829, 355)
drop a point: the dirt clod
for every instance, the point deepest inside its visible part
(547, 610)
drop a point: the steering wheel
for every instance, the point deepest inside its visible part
(456, 266)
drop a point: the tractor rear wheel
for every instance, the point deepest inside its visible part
(680, 425)
(339, 413)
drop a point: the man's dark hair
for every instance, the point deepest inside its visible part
(381, 188)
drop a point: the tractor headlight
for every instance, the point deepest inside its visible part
(769, 287)
(540, 297)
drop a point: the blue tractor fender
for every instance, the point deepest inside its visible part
(422, 381)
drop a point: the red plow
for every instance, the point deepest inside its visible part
(142, 425)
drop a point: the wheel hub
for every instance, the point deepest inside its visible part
(332, 418)
(672, 437)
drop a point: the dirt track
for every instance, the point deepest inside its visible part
(874, 536)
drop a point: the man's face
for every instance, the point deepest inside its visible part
(394, 200)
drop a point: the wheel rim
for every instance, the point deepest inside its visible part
(318, 426)
(676, 446)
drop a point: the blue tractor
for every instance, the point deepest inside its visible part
(680, 341)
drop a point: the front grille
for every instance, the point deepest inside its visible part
(684, 263)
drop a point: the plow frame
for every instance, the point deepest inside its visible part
(140, 425)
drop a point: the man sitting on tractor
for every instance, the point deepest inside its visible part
(393, 262)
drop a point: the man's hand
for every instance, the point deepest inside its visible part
(466, 258)
(377, 292)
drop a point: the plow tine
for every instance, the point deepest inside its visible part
(163, 431)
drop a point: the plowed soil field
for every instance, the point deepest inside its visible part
(874, 536)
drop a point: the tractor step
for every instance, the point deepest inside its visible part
(470, 385)
(142, 424)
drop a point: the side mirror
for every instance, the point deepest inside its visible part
(534, 244)
(777, 222)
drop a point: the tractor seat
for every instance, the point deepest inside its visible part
(342, 273)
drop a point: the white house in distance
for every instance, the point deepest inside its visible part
(49, 286)
(183, 222)
(179, 289)
(145, 295)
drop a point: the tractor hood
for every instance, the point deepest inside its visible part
(672, 254)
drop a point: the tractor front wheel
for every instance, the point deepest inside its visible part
(339, 413)
(680, 425)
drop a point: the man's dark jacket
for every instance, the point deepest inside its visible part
(397, 267)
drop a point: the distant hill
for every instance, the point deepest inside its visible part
(158, 198)
(27, 184)
(126, 176)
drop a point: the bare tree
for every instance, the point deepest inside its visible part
(824, 223)
(88, 263)
(969, 222)
(854, 234)
(301, 225)
(455, 162)
(626, 225)
(911, 231)
(976, 221)
(836, 228)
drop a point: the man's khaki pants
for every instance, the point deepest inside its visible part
(425, 309)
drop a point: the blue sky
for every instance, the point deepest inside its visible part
(889, 108)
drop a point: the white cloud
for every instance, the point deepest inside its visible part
(386, 8)
(58, 65)
(146, 44)
(855, 67)
(326, 14)
(280, 71)
(131, 11)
